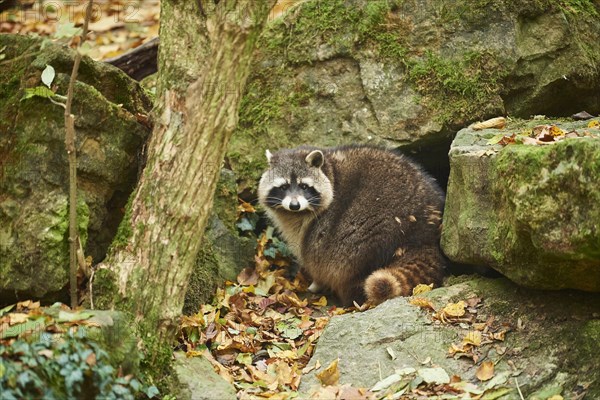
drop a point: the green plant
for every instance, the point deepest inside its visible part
(72, 367)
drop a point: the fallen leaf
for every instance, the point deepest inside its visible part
(330, 375)
(91, 359)
(248, 277)
(422, 302)
(386, 382)
(493, 123)
(391, 352)
(485, 372)
(421, 288)
(435, 375)
(47, 353)
(594, 124)
(455, 309)
(473, 338)
(348, 392)
(322, 302)
(17, 318)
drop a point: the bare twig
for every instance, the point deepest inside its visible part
(519, 389)
(70, 145)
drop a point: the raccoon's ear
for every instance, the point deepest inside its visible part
(269, 155)
(315, 158)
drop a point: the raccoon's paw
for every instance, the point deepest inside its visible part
(382, 285)
(315, 288)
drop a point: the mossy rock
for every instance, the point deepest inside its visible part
(546, 350)
(410, 74)
(34, 168)
(224, 253)
(530, 212)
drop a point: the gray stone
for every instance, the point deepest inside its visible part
(199, 381)
(401, 73)
(547, 351)
(530, 212)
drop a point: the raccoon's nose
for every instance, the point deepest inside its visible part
(294, 205)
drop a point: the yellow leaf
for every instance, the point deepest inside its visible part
(455, 309)
(485, 372)
(556, 131)
(322, 302)
(287, 354)
(594, 124)
(330, 375)
(245, 207)
(17, 318)
(556, 397)
(421, 288)
(473, 337)
(421, 302)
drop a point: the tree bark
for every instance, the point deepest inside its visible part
(171, 204)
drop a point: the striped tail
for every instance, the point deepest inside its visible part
(424, 265)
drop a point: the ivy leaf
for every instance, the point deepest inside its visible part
(244, 358)
(66, 30)
(64, 316)
(152, 391)
(245, 225)
(22, 328)
(48, 75)
(6, 309)
(85, 49)
(288, 330)
(39, 91)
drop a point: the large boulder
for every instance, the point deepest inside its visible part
(411, 73)
(541, 342)
(108, 108)
(531, 212)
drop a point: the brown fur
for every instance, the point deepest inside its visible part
(377, 237)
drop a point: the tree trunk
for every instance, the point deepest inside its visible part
(210, 45)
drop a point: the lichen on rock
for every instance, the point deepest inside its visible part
(34, 168)
(530, 212)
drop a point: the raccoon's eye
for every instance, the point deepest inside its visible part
(285, 186)
(303, 186)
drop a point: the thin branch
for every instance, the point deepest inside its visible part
(70, 145)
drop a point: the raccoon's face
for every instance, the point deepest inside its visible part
(295, 182)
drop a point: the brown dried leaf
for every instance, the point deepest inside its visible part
(485, 372)
(494, 123)
(91, 359)
(347, 392)
(17, 318)
(248, 277)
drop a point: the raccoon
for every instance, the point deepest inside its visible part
(362, 221)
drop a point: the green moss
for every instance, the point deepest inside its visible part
(458, 89)
(203, 280)
(587, 340)
(472, 12)
(104, 289)
(124, 231)
(344, 25)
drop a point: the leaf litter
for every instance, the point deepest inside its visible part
(545, 134)
(259, 334)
